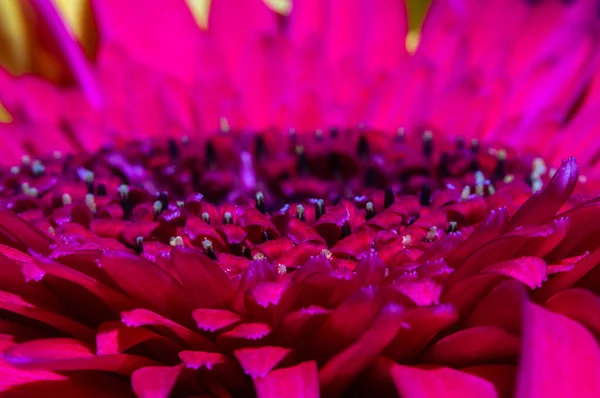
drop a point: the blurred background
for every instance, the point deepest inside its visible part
(27, 45)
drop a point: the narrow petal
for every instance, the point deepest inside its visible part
(215, 320)
(147, 284)
(155, 381)
(185, 336)
(544, 205)
(473, 346)
(301, 381)
(70, 354)
(422, 325)
(578, 304)
(257, 362)
(413, 382)
(203, 279)
(339, 372)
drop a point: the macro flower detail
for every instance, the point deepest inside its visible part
(301, 206)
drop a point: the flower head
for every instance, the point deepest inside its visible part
(213, 232)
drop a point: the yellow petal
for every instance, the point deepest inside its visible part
(15, 40)
(283, 7)
(417, 9)
(200, 9)
(4, 115)
(79, 18)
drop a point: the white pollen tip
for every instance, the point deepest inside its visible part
(224, 125)
(15, 170)
(466, 193)
(66, 199)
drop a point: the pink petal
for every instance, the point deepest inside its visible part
(301, 381)
(502, 307)
(341, 370)
(13, 303)
(559, 358)
(531, 271)
(70, 354)
(215, 320)
(501, 376)
(114, 299)
(270, 301)
(245, 335)
(257, 362)
(578, 304)
(566, 280)
(147, 284)
(298, 328)
(423, 324)
(413, 382)
(155, 381)
(25, 236)
(347, 323)
(115, 338)
(203, 279)
(473, 346)
(372, 269)
(545, 204)
(178, 333)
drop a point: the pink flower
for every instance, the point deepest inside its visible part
(194, 237)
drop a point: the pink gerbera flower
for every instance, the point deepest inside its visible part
(298, 207)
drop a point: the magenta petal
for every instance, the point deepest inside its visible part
(423, 324)
(531, 271)
(372, 269)
(146, 283)
(559, 357)
(70, 354)
(544, 205)
(178, 333)
(347, 322)
(13, 303)
(203, 279)
(257, 362)
(155, 381)
(501, 376)
(245, 335)
(301, 381)
(115, 338)
(24, 235)
(298, 328)
(473, 346)
(215, 320)
(578, 304)
(413, 382)
(502, 307)
(339, 372)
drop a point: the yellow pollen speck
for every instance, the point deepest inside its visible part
(406, 240)
(431, 234)
(509, 178)
(466, 193)
(327, 254)
(281, 269)
(224, 125)
(491, 189)
(258, 257)
(66, 199)
(299, 149)
(177, 241)
(90, 202)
